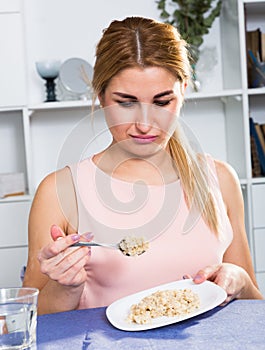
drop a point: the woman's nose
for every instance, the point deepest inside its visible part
(144, 118)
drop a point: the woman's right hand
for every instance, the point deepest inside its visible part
(63, 263)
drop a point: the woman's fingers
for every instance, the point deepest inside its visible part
(208, 273)
(63, 263)
(186, 276)
(56, 232)
(60, 261)
(71, 270)
(88, 236)
(230, 277)
(67, 267)
(55, 248)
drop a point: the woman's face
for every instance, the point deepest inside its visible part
(141, 108)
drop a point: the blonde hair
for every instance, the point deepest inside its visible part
(143, 42)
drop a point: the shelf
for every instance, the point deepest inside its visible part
(11, 108)
(88, 103)
(22, 198)
(258, 180)
(60, 105)
(257, 91)
(218, 94)
(254, 7)
(9, 7)
(243, 182)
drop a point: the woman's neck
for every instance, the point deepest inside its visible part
(156, 169)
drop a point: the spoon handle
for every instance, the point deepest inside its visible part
(86, 244)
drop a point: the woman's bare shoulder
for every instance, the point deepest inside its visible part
(49, 184)
(229, 185)
(226, 173)
(55, 197)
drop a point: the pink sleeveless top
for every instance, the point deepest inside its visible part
(180, 242)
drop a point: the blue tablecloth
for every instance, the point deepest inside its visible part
(238, 326)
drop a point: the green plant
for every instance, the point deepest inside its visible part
(192, 18)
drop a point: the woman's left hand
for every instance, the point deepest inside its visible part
(232, 278)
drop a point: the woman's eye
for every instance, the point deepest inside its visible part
(162, 103)
(127, 103)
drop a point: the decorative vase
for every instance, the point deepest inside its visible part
(196, 85)
(49, 71)
(194, 57)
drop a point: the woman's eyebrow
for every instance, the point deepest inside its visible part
(124, 95)
(164, 93)
(161, 94)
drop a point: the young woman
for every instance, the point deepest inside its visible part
(148, 182)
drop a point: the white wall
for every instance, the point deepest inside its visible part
(12, 59)
(59, 29)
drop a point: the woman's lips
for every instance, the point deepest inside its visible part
(144, 139)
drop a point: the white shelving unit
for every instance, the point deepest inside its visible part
(37, 138)
(251, 17)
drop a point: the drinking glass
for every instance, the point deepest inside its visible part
(18, 317)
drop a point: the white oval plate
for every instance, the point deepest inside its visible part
(209, 293)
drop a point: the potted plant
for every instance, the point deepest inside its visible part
(193, 19)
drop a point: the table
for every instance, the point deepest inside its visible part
(238, 326)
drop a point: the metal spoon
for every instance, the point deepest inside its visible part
(118, 246)
(92, 244)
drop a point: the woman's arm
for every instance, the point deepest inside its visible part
(238, 252)
(56, 271)
(236, 274)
